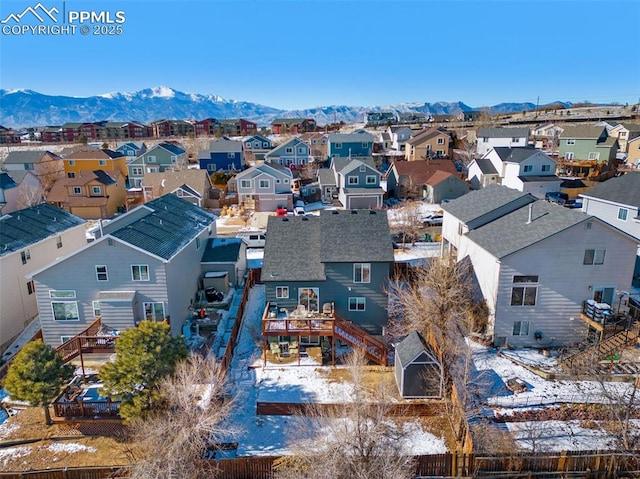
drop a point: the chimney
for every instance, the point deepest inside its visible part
(530, 213)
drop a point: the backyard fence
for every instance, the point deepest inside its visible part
(542, 465)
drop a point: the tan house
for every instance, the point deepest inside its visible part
(30, 239)
(192, 185)
(45, 165)
(91, 194)
(410, 179)
(625, 132)
(633, 155)
(429, 143)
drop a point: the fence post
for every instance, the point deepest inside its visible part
(454, 463)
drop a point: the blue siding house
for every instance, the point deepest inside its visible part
(350, 145)
(223, 155)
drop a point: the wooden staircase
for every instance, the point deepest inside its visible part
(603, 349)
(351, 334)
(87, 341)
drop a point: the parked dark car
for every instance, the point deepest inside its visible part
(557, 197)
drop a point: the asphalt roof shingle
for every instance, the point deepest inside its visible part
(481, 202)
(25, 227)
(502, 132)
(162, 226)
(624, 190)
(222, 250)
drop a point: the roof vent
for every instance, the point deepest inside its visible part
(334, 212)
(354, 212)
(285, 219)
(530, 214)
(372, 212)
(304, 218)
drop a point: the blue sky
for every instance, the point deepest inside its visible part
(295, 54)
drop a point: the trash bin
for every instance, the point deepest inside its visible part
(427, 237)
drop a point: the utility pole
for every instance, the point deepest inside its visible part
(537, 104)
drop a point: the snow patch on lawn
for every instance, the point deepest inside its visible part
(11, 453)
(69, 447)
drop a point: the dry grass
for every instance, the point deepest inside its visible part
(55, 448)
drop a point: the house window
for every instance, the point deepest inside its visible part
(62, 294)
(151, 159)
(102, 162)
(301, 151)
(136, 171)
(594, 155)
(521, 328)
(362, 168)
(71, 174)
(594, 256)
(277, 182)
(309, 298)
(568, 155)
(77, 190)
(546, 168)
(439, 152)
(140, 272)
(264, 183)
(528, 168)
(282, 292)
(197, 243)
(365, 145)
(338, 146)
(174, 159)
(96, 308)
(231, 155)
(59, 242)
(353, 180)
(25, 256)
(101, 272)
(211, 167)
(154, 312)
(571, 141)
(622, 214)
(440, 141)
(357, 304)
(65, 310)
(371, 179)
(96, 190)
(524, 295)
(31, 287)
(245, 183)
(362, 272)
(288, 150)
(72, 162)
(515, 140)
(64, 339)
(265, 145)
(152, 170)
(29, 166)
(247, 145)
(286, 181)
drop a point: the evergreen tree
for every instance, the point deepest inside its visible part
(36, 375)
(144, 356)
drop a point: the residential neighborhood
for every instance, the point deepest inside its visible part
(456, 289)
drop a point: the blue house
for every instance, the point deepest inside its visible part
(132, 149)
(223, 155)
(343, 145)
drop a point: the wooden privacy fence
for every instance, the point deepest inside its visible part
(542, 465)
(392, 409)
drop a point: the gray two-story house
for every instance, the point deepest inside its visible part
(342, 258)
(157, 159)
(357, 182)
(264, 187)
(144, 265)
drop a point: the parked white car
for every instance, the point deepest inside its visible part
(434, 219)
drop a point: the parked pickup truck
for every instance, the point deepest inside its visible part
(557, 197)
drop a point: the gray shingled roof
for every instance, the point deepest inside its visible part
(340, 164)
(27, 156)
(292, 249)
(222, 146)
(534, 178)
(486, 167)
(297, 247)
(512, 232)
(515, 155)
(222, 250)
(25, 227)
(624, 190)
(480, 202)
(411, 347)
(502, 132)
(351, 137)
(582, 131)
(162, 226)
(326, 177)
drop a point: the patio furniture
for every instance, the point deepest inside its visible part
(293, 351)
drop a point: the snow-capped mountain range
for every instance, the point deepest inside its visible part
(24, 108)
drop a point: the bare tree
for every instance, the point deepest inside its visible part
(355, 440)
(408, 221)
(172, 441)
(28, 195)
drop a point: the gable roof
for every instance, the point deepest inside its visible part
(483, 201)
(421, 170)
(336, 236)
(427, 134)
(7, 182)
(502, 132)
(486, 167)
(623, 190)
(339, 163)
(169, 181)
(95, 155)
(280, 149)
(326, 177)
(439, 177)
(170, 147)
(28, 226)
(257, 137)
(162, 226)
(223, 146)
(288, 121)
(274, 170)
(364, 137)
(28, 156)
(516, 155)
(60, 193)
(222, 250)
(513, 232)
(411, 347)
(583, 132)
(356, 163)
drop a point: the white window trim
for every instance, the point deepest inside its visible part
(95, 306)
(371, 177)
(242, 183)
(520, 330)
(280, 292)
(53, 311)
(363, 266)
(106, 272)
(358, 300)
(626, 214)
(350, 178)
(62, 293)
(144, 310)
(140, 266)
